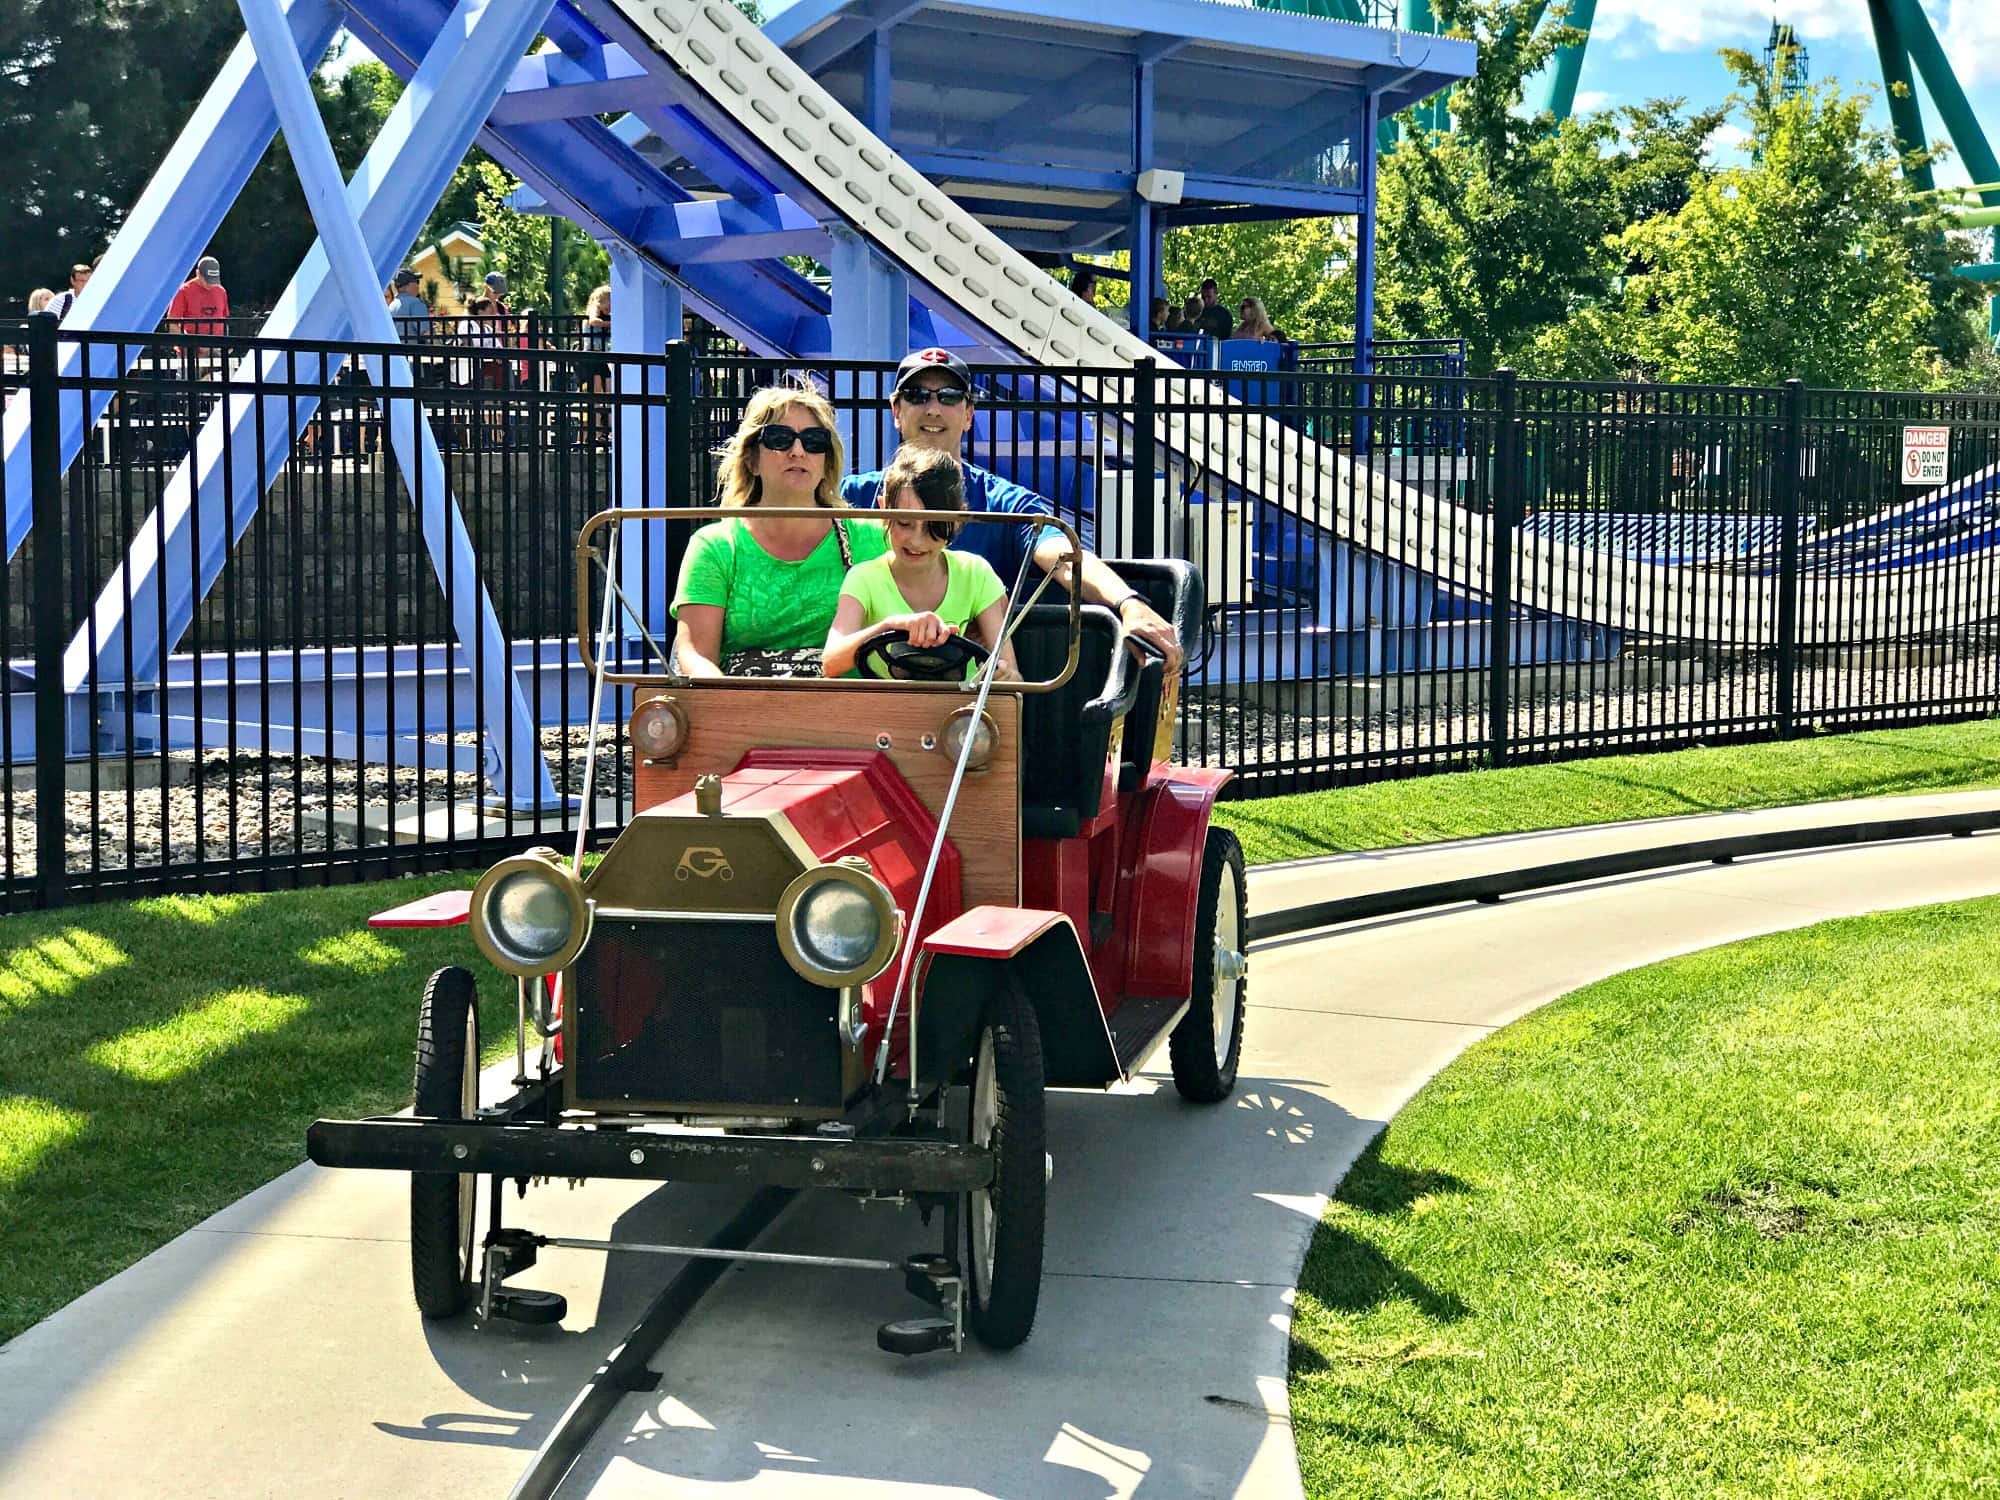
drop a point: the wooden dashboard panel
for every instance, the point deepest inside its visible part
(725, 722)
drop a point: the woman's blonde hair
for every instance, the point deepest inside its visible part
(1256, 318)
(737, 473)
(600, 298)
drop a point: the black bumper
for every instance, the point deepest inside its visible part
(881, 1163)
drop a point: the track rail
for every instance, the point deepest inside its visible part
(1491, 887)
(627, 1369)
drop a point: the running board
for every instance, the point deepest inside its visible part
(1139, 1026)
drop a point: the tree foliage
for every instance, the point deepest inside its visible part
(1499, 227)
(1302, 268)
(518, 245)
(1798, 264)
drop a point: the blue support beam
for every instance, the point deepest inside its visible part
(1364, 267)
(646, 316)
(557, 86)
(871, 320)
(1145, 268)
(168, 229)
(154, 591)
(514, 759)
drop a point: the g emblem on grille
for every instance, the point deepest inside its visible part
(703, 862)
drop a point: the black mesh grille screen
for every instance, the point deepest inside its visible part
(700, 1013)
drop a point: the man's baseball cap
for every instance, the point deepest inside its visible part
(497, 280)
(209, 269)
(942, 360)
(407, 277)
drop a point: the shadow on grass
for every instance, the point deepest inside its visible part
(1345, 1272)
(193, 1041)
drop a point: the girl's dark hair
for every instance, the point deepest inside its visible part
(934, 478)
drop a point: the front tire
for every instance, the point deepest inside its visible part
(1208, 1043)
(1005, 1223)
(444, 1205)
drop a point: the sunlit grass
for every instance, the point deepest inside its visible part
(1469, 804)
(29, 1129)
(197, 1037)
(1727, 1225)
(54, 966)
(161, 1058)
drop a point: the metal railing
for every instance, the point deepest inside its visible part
(239, 638)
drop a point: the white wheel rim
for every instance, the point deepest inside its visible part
(982, 1222)
(468, 1107)
(1228, 961)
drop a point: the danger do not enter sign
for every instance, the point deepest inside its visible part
(1925, 450)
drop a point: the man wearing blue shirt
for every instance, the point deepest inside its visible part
(932, 406)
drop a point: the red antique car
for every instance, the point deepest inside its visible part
(850, 935)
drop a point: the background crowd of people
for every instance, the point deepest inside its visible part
(1204, 312)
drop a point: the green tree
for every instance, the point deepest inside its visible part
(1301, 268)
(91, 94)
(1802, 263)
(1498, 229)
(518, 245)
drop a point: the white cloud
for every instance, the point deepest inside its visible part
(1588, 100)
(1704, 25)
(1970, 31)
(1729, 146)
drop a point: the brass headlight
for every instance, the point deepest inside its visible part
(837, 925)
(981, 728)
(529, 915)
(660, 729)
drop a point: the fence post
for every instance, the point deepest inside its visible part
(1141, 503)
(46, 494)
(1507, 487)
(1788, 558)
(681, 467)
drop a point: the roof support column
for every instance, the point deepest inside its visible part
(1364, 272)
(871, 320)
(875, 82)
(1145, 263)
(646, 315)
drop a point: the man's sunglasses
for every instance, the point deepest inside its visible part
(923, 395)
(779, 438)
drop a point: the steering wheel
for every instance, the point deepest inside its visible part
(890, 654)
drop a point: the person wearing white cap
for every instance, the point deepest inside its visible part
(932, 405)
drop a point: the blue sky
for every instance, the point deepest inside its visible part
(1652, 48)
(1644, 49)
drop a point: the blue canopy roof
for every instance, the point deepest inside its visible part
(1039, 114)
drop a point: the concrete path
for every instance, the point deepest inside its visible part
(273, 1349)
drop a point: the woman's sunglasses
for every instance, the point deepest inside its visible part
(921, 395)
(779, 438)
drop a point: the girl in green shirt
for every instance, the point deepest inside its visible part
(920, 584)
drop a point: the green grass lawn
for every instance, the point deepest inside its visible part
(1727, 1225)
(1467, 804)
(159, 1059)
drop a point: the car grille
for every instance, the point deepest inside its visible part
(700, 1015)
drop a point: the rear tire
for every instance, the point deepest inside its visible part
(444, 1205)
(1208, 1043)
(1004, 1224)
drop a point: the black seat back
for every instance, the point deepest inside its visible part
(1174, 589)
(1062, 747)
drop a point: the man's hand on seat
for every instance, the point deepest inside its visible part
(1145, 622)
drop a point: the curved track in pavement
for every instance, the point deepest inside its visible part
(273, 1349)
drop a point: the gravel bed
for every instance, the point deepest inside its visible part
(176, 825)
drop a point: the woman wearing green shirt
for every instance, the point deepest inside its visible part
(760, 583)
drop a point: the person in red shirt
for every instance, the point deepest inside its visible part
(201, 305)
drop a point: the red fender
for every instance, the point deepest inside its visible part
(1170, 822)
(1040, 952)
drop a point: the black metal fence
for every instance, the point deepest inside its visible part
(230, 623)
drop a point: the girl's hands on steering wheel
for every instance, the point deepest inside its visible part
(923, 627)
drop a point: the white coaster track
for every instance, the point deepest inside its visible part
(959, 260)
